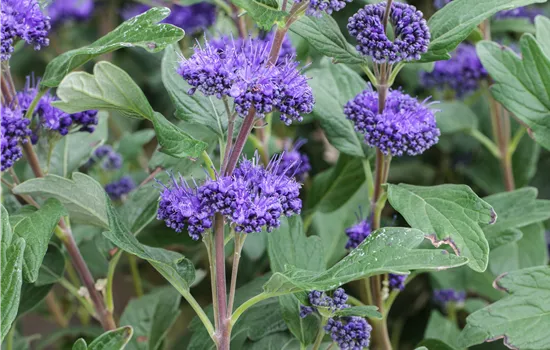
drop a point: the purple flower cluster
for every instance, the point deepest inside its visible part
(239, 69)
(396, 282)
(406, 126)
(317, 7)
(15, 129)
(350, 333)
(192, 19)
(252, 199)
(108, 158)
(520, 12)
(357, 233)
(22, 19)
(52, 118)
(445, 296)
(462, 73)
(412, 35)
(295, 164)
(65, 10)
(321, 299)
(117, 189)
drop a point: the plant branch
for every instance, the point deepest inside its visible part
(248, 304)
(223, 330)
(239, 243)
(320, 334)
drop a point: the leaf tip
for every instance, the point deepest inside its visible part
(493, 217)
(437, 242)
(496, 282)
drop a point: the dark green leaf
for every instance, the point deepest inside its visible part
(369, 311)
(11, 278)
(521, 83)
(333, 86)
(140, 208)
(325, 36)
(454, 117)
(520, 318)
(433, 344)
(32, 296)
(112, 340)
(82, 196)
(263, 14)
(454, 22)
(443, 329)
(80, 344)
(141, 31)
(449, 214)
(174, 141)
(385, 250)
(52, 267)
(151, 317)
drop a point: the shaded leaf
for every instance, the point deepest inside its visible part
(454, 117)
(112, 340)
(443, 329)
(369, 311)
(262, 12)
(174, 141)
(433, 344)
(449, 214)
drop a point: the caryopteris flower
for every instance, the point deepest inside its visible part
(445, 296)
(462, 73)
(396, 282)
(412, 34)
(350, 333)
(106, 157)
(22, 19)
(239, 69)
(357, 233)
(14, 131)
(66, 10)
(406, 126)
(117, 189)
(294, 162)
(317, 7)
(318, 299)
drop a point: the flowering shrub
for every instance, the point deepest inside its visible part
(314, 174)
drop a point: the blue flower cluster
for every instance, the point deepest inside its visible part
(317, 7)
(396, 282)
(15, 129)
(350, 333)
(321, 299)
(252, 199)
(52, 118)
(193, 18)
(406, 127)
(357, 233)
(412, 35)
(22, 19)
(449, 295)
(117, 189)
(65, 10)
(107, 157)
(295, 163)
(239, 69)
(462, 73)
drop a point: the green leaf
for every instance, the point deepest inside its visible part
(289, 246)
(443, 329)
(109, 88)
(369, 311)
(325, 36)
(11, 278)
(520, 319)
(196, 108)
(141, 31)
(453, 23)
(385, 250)
(175, 268)
(542, 27)
(131, 144)
(433, 344)
(151, 317)
(333, 86)
(174, 141)
(449, 214)
(454, 117)
(515, 25)
(516, 209)
(140, 208)
(112, 340)
(36, 229)
(83, 197)
(263, 12)
(334, 187)
(521, 83)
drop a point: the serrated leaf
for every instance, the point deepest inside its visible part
(36, 229)
(174, 141)
(520, 319)
(449, 214)
(196, 108)
(333, 86)
(542, 28)
(151, 317)
(141, 31)
(521, 83)
(83, 197)
(325, 36)
(112, 340)
(443, 329)
(264, 16)
(175, 268)
(289, 245)
(369, 311)
(454, 117)
(385, 250)
(453, 23)
(11, 274)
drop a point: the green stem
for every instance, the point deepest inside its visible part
(34, 103)
(308, 220)
(485, 141)
(515, 140)
(354, 301)
(209, 243)
(320, 334)
(369, 73)
(9, 337)
(74, 292)
(259, 145)
(209, 164)
(138, 286)
(368, 176)
(200, 313)
(247, 304)
(110, 278)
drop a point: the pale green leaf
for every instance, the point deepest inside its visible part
(131, 144)
(112, 340)
(140, 208)
(521, 319)
(141, 31)
(542, 27)
(449, 214)
(83, 197)
(369, 311)
(263, 12)
(174, 141)
(454, 117)
(11, 278)
(514, 25)
(385, 250)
